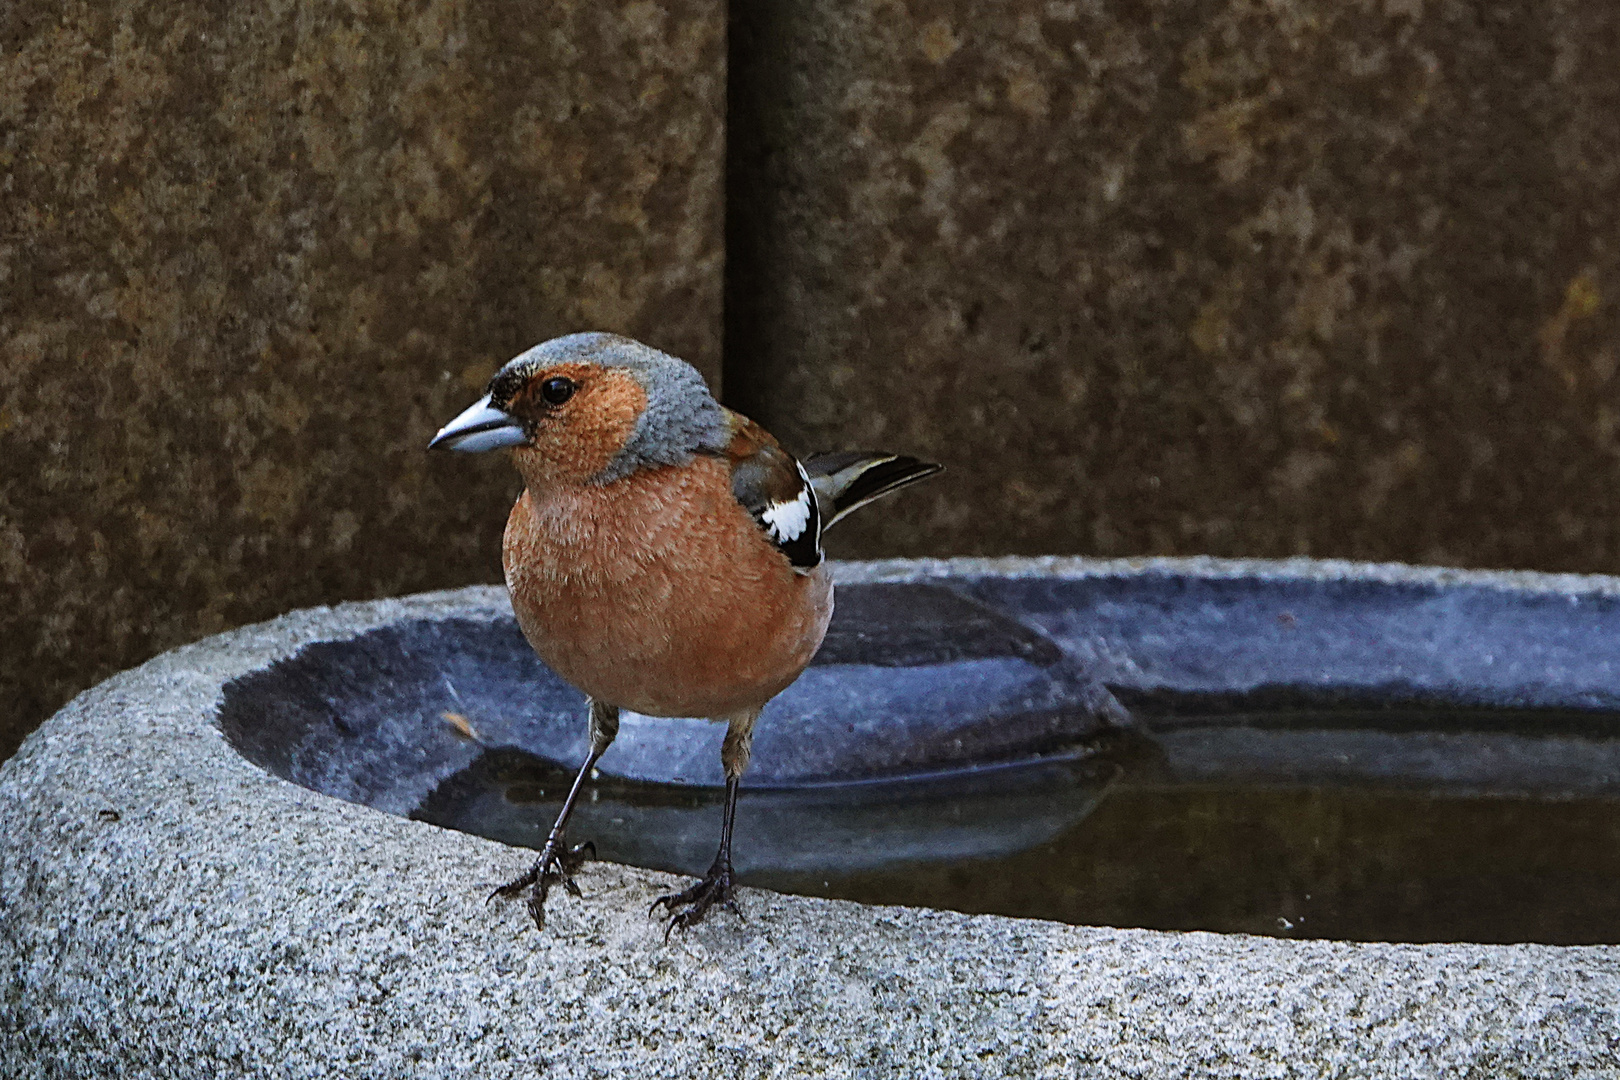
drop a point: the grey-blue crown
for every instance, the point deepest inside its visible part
(682, 418)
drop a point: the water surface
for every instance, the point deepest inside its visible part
(1403, 825)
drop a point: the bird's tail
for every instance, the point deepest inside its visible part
(849, 479)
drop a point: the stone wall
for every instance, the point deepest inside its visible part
(1151, 276)
(253, 255)
(1325, 277)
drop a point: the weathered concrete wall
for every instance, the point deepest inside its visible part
(252, 256)
(1320, 277)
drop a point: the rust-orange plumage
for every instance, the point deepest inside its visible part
(664, 555)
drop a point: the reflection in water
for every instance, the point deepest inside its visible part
(1325, 840)
(963, 814)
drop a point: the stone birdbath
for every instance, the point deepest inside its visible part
(1339, 819)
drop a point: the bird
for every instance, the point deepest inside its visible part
(664, 557)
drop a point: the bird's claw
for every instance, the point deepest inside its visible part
(688, 907)
(556, 865)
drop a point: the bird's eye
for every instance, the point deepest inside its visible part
(558, 390)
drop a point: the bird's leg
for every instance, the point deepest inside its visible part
(689, 906)
(557, 861)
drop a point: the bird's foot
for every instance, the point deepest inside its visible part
(688, 907)
(556, 865)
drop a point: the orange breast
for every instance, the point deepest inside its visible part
(659, 593)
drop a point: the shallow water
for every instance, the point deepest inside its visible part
(1315, 862)
(1410, 825)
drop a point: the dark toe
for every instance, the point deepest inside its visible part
(516, 885)
(671, 901)
(715, 890)
(556, 866)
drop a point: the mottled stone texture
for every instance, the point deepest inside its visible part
(1172, 276)
(253, 255)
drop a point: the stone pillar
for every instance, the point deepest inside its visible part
(1174, 276)
(253, 255)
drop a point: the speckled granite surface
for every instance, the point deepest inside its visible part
(1301, 277)
(167, 909)
(252, 256)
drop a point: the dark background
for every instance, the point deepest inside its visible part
(1309, 277)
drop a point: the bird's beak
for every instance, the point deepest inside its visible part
(481, 427)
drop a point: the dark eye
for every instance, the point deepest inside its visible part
(558, 390)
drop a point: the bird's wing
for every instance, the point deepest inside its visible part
(773, 487)
(847, 480)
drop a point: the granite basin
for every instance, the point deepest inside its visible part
(210, 864)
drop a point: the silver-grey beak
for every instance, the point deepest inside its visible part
(481, 427)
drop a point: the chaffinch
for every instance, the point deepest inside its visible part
(664, 556)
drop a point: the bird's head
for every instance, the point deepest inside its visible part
(591, 409)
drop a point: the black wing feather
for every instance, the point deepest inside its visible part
(846, 480)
